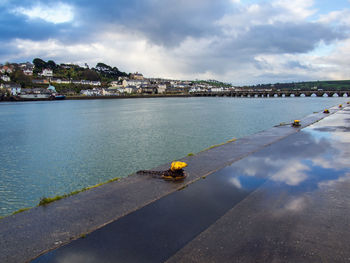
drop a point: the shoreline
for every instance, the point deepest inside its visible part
(16, 99)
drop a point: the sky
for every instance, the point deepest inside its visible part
(237, 41)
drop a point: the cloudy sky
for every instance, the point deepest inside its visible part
(238, 41)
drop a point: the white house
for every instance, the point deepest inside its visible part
(217, 89)
(15, 90)
(161, 88)
(60, 81)
(197, 89)
(86, 92)
(94, 92)
(134, 82)
(5, 78)
(87, 82)
(47, 73)
(131, 89)
(28, 72)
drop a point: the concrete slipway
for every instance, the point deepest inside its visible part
(279, 195)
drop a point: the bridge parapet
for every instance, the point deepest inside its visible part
(271, 94)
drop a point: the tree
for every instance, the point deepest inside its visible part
(103, 67)
(51, 64)
(39, 65)
(89, 74)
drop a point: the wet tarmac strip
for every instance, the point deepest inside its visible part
(282, 176)
(157, 231)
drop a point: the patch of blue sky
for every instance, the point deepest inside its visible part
(327, 6)
(249, 2)
(323, 49)
(322, 6)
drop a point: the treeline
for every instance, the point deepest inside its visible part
(101, 72)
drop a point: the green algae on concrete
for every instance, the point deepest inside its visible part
(217, 145)
(47, 200)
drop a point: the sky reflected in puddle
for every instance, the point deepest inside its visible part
(303, 162)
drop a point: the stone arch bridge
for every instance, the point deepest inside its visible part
(271, 94)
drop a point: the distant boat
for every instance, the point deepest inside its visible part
(59, 97)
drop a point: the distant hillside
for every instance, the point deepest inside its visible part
(213, 83)
(101, 72)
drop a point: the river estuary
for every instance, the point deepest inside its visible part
(55, 147)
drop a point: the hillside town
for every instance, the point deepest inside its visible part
(42, 79)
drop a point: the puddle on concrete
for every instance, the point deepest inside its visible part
(157, 231)
(300, 164)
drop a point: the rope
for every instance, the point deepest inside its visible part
(161, 174)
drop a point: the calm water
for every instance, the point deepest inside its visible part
(51, 148)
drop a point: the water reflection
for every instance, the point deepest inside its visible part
(314, 157)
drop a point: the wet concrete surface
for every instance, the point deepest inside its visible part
(288, 202)
(157, 231)
(44, 228)
(301, 214)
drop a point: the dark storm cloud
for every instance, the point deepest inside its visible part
(288, 37)
(36, 30)
(281, 38)
(162, 22)
(14, 25)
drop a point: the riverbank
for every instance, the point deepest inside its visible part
(14, 99)
(60, 222)
(248, 94)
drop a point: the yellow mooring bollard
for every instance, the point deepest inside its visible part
(326, 111)
(175, 166)
(296, 123)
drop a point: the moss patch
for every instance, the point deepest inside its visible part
(217, 145)
(47, 200)
(21, 210)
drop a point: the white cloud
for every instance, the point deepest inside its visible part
(294, 10)
(292, 174)
(127, 51)
(296, 204)
(341, 17)
(235, 181)
(57, 13)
